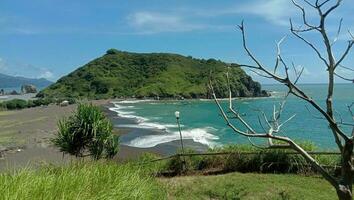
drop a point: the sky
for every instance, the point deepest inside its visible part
(51, 38)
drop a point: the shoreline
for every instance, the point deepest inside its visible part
(25, 137)
(129, 133)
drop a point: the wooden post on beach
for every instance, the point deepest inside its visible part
(180, 136)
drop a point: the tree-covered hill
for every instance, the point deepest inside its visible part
(125, 74)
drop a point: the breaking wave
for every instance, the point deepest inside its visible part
(200, 135)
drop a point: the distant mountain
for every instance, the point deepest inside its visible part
(7, 81)
(126, 74)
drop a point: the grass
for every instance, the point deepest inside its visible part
(81, 181)
(107, 180)
(10, 124)
(248, 186)
(3, 113)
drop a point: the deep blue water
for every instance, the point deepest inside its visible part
(201, 121)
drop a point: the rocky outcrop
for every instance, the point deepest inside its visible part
(25, 89)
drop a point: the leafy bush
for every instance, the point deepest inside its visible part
(245, 158)
(21, 104)
(15, 104)
(87, 130)
(43, 101)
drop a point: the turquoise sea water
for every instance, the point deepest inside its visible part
(201, 121)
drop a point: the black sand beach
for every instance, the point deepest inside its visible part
(25, 137)
(128, 134)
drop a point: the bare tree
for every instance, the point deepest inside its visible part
(343, 140)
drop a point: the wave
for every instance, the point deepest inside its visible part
(149, 125)
(142, 122)
(127, 114)
(200, 135)
(132, 101)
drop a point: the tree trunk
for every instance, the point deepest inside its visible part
(344, 191)
(344, 194)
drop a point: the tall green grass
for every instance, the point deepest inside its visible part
(94, 180)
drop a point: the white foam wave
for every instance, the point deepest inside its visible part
(132, 101)
(149, 125)
(142, 121)
(200, 135)
(127, 114)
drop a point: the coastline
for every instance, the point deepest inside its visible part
(129, 133)
(25, 137)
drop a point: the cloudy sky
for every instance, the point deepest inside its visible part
(50, 38)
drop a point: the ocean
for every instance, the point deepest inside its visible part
(201, 121)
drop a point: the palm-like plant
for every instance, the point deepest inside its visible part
(87, 131)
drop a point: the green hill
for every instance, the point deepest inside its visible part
(125, 74)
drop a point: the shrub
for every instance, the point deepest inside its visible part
(43, 101)
(15, 104)
(112, 51)
(87, 130)
(245, 158)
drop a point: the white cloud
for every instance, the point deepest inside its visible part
(3, 65)
(15, 68)
(150, 22)
(46, 74)
(275, 11)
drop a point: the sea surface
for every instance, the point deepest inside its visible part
(17, 89)
(201, 121)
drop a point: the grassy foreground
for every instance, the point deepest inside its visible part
(81, 181)
(249, 186)
(101, 180)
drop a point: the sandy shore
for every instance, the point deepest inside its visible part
(25, 137)
(127, 134)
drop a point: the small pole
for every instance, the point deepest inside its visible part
(180, 136)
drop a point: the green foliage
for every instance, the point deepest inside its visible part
(14, 104)
(17, 104)
(245, 158)
(124, 74)
(108, 180)
(93, 180)
(87, 129)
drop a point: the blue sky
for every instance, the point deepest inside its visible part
(50, 38)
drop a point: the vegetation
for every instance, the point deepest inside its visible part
(96, 180)
(107, 180)
(87, 131)
(245, 158)
(124, 74)
(248, 186)
(17, 104)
